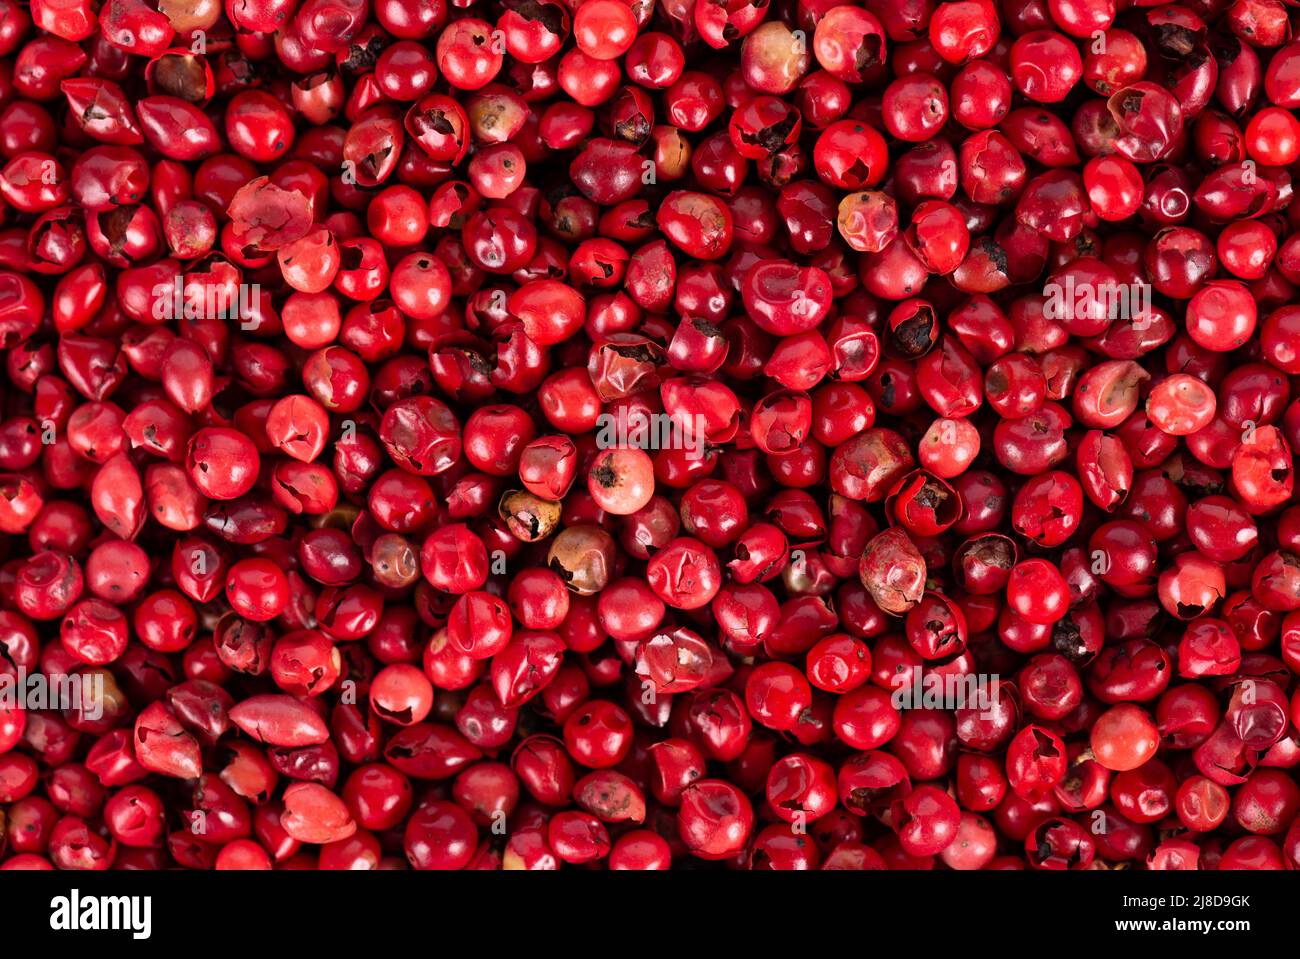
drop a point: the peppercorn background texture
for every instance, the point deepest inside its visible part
(525, 434)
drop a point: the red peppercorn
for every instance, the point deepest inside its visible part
(517, 399)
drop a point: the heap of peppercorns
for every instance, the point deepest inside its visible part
(528, 433)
